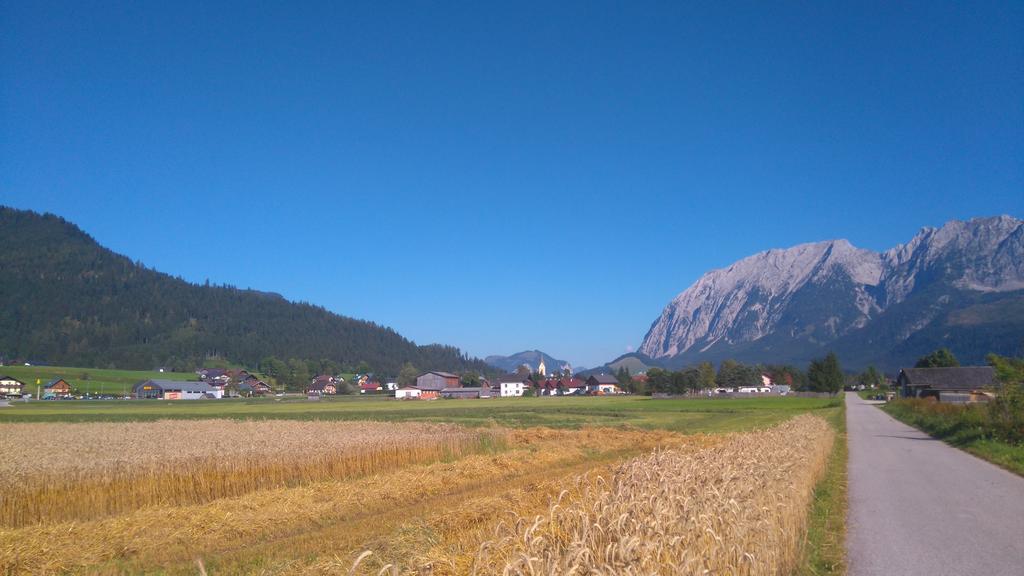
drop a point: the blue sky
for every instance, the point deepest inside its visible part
(508, 177)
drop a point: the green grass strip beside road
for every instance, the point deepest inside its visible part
(825, 549)
(961, 432)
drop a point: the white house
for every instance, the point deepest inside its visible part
(603, 384)
(407, 392)
(510, 385)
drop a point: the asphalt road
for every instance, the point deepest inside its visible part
(919, 506)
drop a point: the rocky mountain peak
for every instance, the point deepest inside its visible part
(821, 291)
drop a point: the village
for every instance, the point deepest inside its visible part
(219, 383)
(961, 385)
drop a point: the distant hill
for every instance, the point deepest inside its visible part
(633, 362)
(529, 357)
(66, 300)
(960, 286)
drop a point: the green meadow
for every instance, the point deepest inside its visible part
(88, 380)
(682, 415)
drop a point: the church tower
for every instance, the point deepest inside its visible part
(541, 368)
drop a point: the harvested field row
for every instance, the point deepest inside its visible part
(65, 472)
(738, 508)
(306, 528)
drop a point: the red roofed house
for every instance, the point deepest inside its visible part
(370, 387)
(573, 385)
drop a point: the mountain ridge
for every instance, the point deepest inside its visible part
(790, 304)
(69, 300)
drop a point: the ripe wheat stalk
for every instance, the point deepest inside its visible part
(737, 508)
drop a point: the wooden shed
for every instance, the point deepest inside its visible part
(58, 387)
(963, 384)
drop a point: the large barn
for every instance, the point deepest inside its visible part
(437, 381)
(176, 390)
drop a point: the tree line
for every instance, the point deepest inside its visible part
(68, 301)
(822, 375)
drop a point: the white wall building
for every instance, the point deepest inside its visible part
(510, 385)
(407, 392)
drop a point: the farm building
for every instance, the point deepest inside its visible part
(176, 390)
(11, 386)
(603, 384)
(407, 392)
(437, 381)
(509, 385)
(57, 388)
(466, 392)
(962, 384)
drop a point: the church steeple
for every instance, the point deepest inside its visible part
(541, 368)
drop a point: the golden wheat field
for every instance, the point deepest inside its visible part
(78, 471)
(375, 498)
(737, 508)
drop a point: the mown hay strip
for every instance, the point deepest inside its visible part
(739, 508)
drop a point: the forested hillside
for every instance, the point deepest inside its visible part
(64, 299)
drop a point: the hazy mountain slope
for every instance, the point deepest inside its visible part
(65, 299)
(528, 357)
(789, 305)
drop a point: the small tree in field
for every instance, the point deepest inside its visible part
(407, 375)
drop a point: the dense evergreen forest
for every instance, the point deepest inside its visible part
(66, 300)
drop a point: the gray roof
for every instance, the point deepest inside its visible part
(442, 374)
(959, 378)
(605, 379)
(178, 385)
(510, 378)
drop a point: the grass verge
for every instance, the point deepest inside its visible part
(825, 548)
